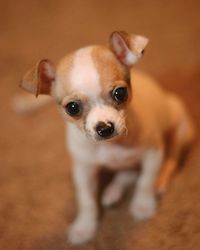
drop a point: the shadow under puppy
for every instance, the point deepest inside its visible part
(116, 117)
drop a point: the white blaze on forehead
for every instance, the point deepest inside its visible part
(84, 76)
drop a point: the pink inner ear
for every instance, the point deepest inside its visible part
(121, 49)
(119, 46)
(46, 75)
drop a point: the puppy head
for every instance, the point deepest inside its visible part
(92, 85)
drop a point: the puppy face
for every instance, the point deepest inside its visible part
(93, 89)
(92, 84)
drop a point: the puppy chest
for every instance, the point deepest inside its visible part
(115, 157)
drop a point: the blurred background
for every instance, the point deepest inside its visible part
(36, 192)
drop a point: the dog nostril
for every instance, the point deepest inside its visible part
(105, 129)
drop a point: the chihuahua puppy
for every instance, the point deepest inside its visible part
(115, 117)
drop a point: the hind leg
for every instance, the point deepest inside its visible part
(182, 135)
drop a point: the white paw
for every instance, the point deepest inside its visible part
(81, 231)
(143, 206)
(111, 195)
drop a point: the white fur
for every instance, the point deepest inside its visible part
(84, 76)
(84, 227)
(80, 147)
(90, 152)
(117, 157)
(131, 58)
(88, 155)
(143, 205)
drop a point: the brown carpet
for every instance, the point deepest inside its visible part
(36, 193)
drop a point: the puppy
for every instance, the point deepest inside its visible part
(115, 117)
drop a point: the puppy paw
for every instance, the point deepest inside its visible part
(111, 195)
(81, 231)
(143, 206)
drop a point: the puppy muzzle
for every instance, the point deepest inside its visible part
(104, 122)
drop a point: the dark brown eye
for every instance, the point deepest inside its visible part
(120, 94)
(73, 108)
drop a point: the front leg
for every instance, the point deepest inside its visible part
(85, 224)
(115, 190)
(143, 204)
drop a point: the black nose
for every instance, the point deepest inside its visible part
(105, 130)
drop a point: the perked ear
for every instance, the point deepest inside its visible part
(127, 47)
(40, 78)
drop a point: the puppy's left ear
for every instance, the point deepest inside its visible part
(128, 48)
(40, 78)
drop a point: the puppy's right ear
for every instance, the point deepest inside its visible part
(40, 78)
(128, 48)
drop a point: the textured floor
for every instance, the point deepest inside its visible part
(36, 193)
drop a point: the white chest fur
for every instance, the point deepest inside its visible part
(102, 153)
(116, 156)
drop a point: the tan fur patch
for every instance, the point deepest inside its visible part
(62, 86)
(108, 67)
(111, 72)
